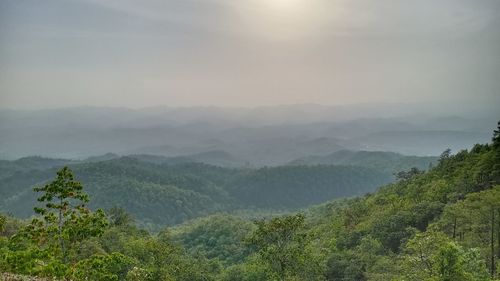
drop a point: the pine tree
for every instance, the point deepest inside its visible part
(64, 215)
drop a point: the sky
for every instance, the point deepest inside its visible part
(65, 53)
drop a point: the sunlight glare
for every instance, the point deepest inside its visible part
(284, 5)
(285, 19)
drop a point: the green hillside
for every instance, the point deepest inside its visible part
(439, 225)
(383, 160)
(27, 164)
(167, 194)
(301, 186)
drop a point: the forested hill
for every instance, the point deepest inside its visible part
(440, 225)
(381, 160)
(408, 228)
(159, 194)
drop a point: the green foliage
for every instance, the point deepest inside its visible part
(394, 230)
(29, 164)
(138, 274)
(449, 264)
(281, 244)
(420, 254)
(408, 175)
(252, 270)
(157, 258)
(440, 225)
(475, 222)
(45, 246)
(496, 136)
(342, 266)
(158, 194)
(3, 220)
(112, 267)
(65, 220)
(119, 217)
(389, 162)
(216, 237)
(410, 221)
(284, 187)
(9, 226)
(433, 257)
(31, 261)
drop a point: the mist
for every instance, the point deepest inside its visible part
(237, 137)
(249, 53)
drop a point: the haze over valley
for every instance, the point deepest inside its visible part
(235, 137)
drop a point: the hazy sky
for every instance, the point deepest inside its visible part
(57, 53)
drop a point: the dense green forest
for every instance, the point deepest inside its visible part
(439, 225)
(381, 160)
(164, 193)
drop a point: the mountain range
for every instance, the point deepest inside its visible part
(257, 137)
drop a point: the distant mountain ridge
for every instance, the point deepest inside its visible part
(266, 136)
(216, 158)
(9, 168)
(387, 161)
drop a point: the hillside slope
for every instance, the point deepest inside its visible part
(443, 224)
(383, 232)
(159, 194)
(440, 225)
(383, 160)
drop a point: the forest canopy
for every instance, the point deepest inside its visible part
(442, 224)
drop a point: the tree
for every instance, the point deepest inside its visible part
(65, 219)
(280, 243)
(433, 256)
(496, 136)
(475, 222)
(111, 267)
(445, 155)
(165, 261)
(345, 266)
(448, 263)
(419, 252)
(486, 205)
(3, 219)
(407, 175)
(495, 173)
(119, 217)
(394, 230)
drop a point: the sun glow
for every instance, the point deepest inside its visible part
(284, 5)
(285, 19)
